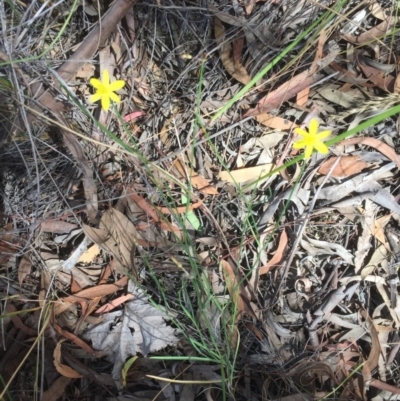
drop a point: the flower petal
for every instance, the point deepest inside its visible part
(96, 83)
(313, 127)
(115, 98)
(308, 152)
(116, 85)
(321, 147)
(105, 102)
(301, 131)
(106, 78)
(300, 144)
(323, 134)
(94, 98)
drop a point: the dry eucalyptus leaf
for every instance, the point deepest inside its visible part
(237, 70)
(347, 165)
(140, 327)
(245, 174)
(64, 370)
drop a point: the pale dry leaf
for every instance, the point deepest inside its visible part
(265, 142)
(379, 255)
(86, 71)
(64, 370)
(89, 255)
(380, 224)
(338, 97)
(245, 174)
(361, 183)
(139, 328)
(315, 247)
(364, 240)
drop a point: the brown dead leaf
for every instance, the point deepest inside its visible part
(245, 174)
(278, 256)
(75, 339)
(114, 304)
(98, 291)
(75, 286)
(236, 289)
(237, 70)
(151, 212)
(116, 236)
(17, 321)
(24, 269)
(382, 81)
(57, 389)
(374, 143)
(302, 96)
(347, 165)
(373, 358)
(64, 370)
(275, 122)
(197, 181)
(180, 209)
(285, 92)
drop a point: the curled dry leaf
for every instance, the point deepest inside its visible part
(235, 69)
(347, 165)
(278, 256)
(64, 370)
(374, 33)
(374, 143)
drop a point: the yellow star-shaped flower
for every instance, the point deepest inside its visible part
(311, 139)
(105, 90)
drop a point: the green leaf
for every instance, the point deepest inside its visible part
(190, 215)
(126, 368)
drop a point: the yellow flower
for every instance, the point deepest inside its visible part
(105, 90)
(311, 139)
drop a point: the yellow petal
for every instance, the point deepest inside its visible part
(313, 127)
(105, 103)
(323, 134)
(106, 78)
(115, 98)
(116, 85)
(299, 145)
(95, 83)
(321, 147)
(94, 98)
(308, 152)
(300, 131)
